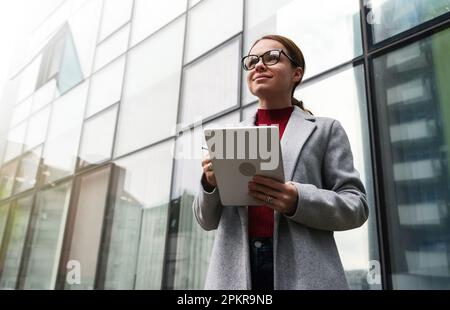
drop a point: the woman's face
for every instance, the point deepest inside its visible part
(274, 80)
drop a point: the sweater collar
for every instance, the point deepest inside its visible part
(275, 114)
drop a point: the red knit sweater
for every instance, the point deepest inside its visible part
(260, 218)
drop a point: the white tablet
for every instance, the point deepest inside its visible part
(239, 153)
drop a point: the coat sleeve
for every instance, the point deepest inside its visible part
(343, 204)
(207, 207)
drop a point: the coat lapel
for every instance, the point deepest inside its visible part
(298, 129)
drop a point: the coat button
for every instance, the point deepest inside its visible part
(258, 244)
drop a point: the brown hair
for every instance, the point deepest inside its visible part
(296, 54)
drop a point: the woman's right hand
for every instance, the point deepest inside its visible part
(208, 171)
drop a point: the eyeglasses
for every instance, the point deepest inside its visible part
(269, 58)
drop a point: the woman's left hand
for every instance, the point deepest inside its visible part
(285, 195)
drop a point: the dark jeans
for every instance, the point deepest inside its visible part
(261, 262)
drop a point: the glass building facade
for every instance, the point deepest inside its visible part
(100, 157)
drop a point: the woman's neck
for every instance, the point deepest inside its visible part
(271, 104)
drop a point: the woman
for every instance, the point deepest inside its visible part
(288, 243)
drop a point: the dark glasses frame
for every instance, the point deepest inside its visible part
(262, 56)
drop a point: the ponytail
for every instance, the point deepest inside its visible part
(300, 105)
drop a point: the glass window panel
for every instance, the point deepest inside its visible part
(94, 150)
(358, 248)
(151, 15)
(14, 145)
(68, 111)
(207, 29)
(42, 34)
(111, 48)
(47, 235)
(37, 128)
(413, 102)
(4, 208)
(3, 141)
(150, 97)
(341, 16)
(106, 87)
(44, 95)
(28, 78)
(140, 216)
(52, 55)
(281, 17)
(14, 242)
(249, 110)
(217, 77)
(390, 17)
(115, 14)
(92, 190)
(20, 112)
(28, 168)
(60, 156)
(70, 70)
(193, 2)
(61, 148)
(84, 25)
(60, 61)
(189, 246)
(7, 176)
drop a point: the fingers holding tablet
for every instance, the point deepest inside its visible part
(208, 170)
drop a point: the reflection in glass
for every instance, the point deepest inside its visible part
(14, 241)
(7, 176)
(61, 149)
(207, 29)
(28, 168)
(189, 246)
(342, 96)
(151, 15)
(148, 111)
(92, 149)
(106, 87)
(138, 226)
(211, 85)
(115, 14)
(390, 17)
(413, 99)
(86, 219)
(47, 234)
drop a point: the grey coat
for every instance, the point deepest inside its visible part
(331, 197)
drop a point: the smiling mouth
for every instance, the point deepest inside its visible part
(261, 77)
